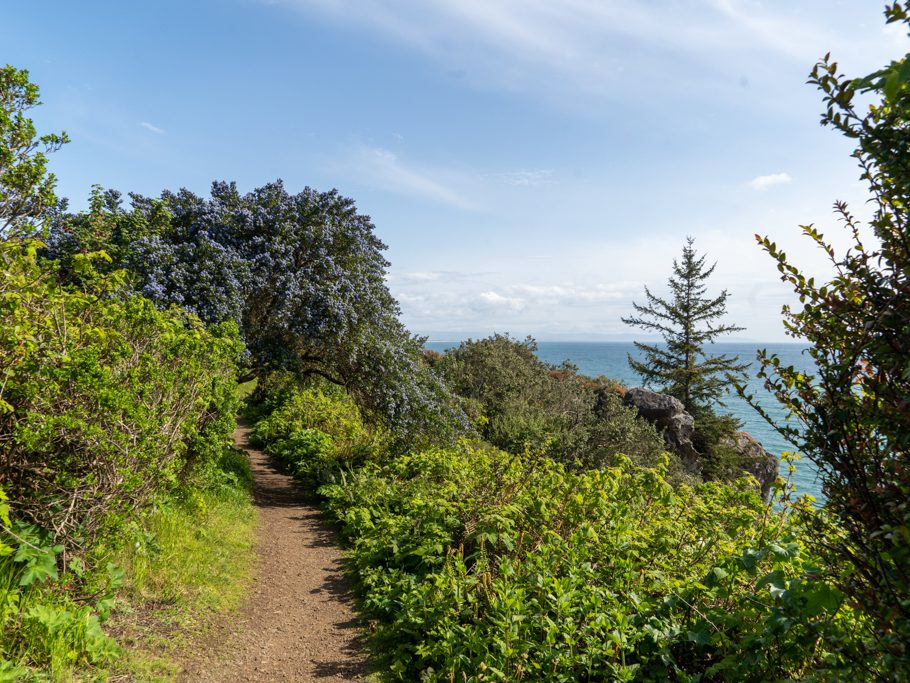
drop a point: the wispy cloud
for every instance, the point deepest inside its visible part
(763, 182)
(382, 169)
(581, 44)
(153, 128)
(421, 276)
(523, 177)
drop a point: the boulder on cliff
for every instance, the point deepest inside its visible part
(678, 427)
(670, 417)
(755, 460)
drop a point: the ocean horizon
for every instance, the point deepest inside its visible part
(610, 359)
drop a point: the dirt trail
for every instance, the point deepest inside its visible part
(298, 623)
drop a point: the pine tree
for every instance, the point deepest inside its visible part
(686, 322)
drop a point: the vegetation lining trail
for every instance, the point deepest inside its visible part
(298, 624)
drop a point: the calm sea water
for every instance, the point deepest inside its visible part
(611, 359)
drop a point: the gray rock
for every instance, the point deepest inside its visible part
(653, 406)
(755, 460)
(678, 427)
(670, 417)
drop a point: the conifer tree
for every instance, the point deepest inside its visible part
(687, 322)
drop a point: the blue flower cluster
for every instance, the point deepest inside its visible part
(302, 274)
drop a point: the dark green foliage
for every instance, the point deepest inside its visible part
(851, 415)
(721, 461)
(686, 322)
(26, 189)
(519, 402)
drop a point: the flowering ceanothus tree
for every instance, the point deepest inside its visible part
(303, 274)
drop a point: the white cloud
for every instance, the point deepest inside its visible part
(500, 301)
(584, 45)
(523, 177)
(569, 294)
(763, 182)
(150, 127)
(382, 169)
(422, 276)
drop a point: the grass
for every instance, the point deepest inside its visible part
(194, 562)
(187, 560)
(164, 578)
(245, 390)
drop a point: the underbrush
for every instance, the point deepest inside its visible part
(115, 420)
(473, 564)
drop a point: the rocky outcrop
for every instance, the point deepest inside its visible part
(670, 418)
(755, 460)
(678, 427)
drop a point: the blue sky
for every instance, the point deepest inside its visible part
(531, 164)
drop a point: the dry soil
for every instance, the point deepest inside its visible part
(298, 623)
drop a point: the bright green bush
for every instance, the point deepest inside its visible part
(44, 623)
(474, 564)
(106, 405)
(477, 565)
(104, 400)
(311, 455)
(321, 423)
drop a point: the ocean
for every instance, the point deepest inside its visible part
(611, 359)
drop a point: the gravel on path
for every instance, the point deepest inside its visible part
(298, 623)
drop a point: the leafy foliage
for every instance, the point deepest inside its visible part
(302, 274)
(681, 367)
(54, 632)
(317, 432)
(26, 189)
(104, 401)
(474, 564)
(518, 401)
(851, 416)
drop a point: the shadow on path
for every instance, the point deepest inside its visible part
(298, 623)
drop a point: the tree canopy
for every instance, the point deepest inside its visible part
(302, 274)
(26, 188)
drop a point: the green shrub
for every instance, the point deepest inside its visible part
(325, 408)
(476, 564)
(106, 406)
(105, 400)
(479, 565)
(518, 401)
(310, 455)
(43, 625)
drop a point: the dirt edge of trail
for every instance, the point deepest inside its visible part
(297, 623)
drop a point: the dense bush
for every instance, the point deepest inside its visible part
(317, 432)
(106, 403)
(518, 401)
(851, 414)
(104, 400)
(478, 565)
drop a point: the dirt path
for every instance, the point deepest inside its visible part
(298, 624)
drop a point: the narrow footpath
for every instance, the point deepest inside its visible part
(298, 623)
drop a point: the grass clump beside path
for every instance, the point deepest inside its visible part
(191, 559)
(183, 561)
